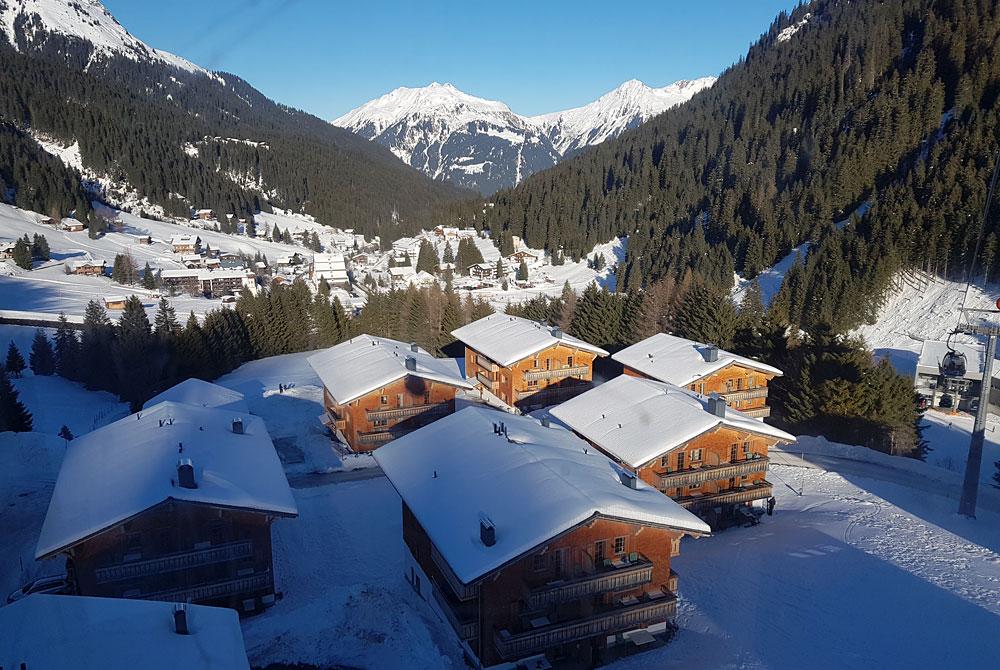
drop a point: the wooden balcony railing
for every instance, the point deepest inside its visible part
(461, 591)
(749, 394)
(485, 379)
(561, 373)
(215, 590)
(758, 413)
(554, 393)
(627, 617)
(730, 497)
(379, 437)
(709, 473)
(189, 559)
(404, 412)
(613, 578)
(467, 630)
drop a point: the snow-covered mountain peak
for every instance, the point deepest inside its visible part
(87, 20)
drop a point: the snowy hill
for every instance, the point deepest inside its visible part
(613, 113)
(482, 144)
(28, 23)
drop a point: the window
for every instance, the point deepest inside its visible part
(558, 563)
(747, 449)
(532, 383)
(600, 551)
(380, 422)
(399, 400)
(664, 461)
(701, 388)
(695, 455)
(538, 562)
(675, 546)
(680, 460)
(619, 545)
(739, 384)
(569, 361)
(729, 385)
(732, 452)
(384, 399)
(548, 363)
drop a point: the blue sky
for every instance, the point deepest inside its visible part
(328, 57)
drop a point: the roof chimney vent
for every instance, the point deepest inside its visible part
(630, 480)
(717, 405)
(238, 426)
(185, 474)
(413, 347)
(557, 333)
(711, 353)
(545, 422)
(411, 363)
(181, 620)
(487, 531)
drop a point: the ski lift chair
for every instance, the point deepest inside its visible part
(953, 363)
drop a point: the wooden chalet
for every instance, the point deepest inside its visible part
(115, 301)
(87, 267)
(56, 631)
(72, 225)
(702, 368)
(185, 244)
(174, 503)
(525, 363)
(708, 457)
(538, 551)
(526, 256)
(376, 389)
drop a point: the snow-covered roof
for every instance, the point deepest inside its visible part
(507, 339)
(362, 364)
(129, 466)
(200, 393)
(402, 271)
(96, 263)
(46, 631)
(933, 351)
(680, 361)
(636, 420)
(532, 484)
(184, 240)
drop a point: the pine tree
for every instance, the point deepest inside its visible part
(448, 256)
(501, 270)
(148, 277)
(138, 360)
(41, 358)
(707, 316)
(65, 433)
(22, 254)
(522, 271)
(124, 270)
(251, 226)
(40, 247)
(96, 364)
(165, 323)
(14, 416)
(15, 361)
(67, 350)
(427, 260)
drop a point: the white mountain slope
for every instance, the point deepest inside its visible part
(613, 113)
(88, 20)
(482, 144)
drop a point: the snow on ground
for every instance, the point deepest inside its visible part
(948, 438)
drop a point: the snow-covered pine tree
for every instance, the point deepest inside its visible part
(41, 358)
(14, 363)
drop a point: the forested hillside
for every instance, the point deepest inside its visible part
(839, 103)
(187, 139)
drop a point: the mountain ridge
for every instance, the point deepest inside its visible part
(482, 144)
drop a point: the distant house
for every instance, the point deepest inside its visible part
(87, 267)
(72, 225)
(173, 503)
(376, 389)
(406, 246)
(185, 244)
(484, 271)
(204, 214)
(7, 250)
(362, 260)
(538, 551)
(115, 301)
(525, 363)
(446, 233)
(47, 631)
(210, 283)
(330, 267)
(702, 368)
(400, 276)
(526, 256)
(200, 393)
(708, 457)
(143, 239)
(953, 392)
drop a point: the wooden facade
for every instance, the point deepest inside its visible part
(743, 387)
(181, 552)
(388, 412)
(544, 378)
(564, 599)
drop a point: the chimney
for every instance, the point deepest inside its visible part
(630, 480)
(413, 347)
(711, 353)
(545, 422)
(180, 619)
(185, 474)
(238, 426)
(487, 531)
(557, 333)
(717, 405)
(411, 363)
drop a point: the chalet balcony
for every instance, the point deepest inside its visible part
(466, 630)
(749, 394)
(561, 373)
(378, 437)
(404, 412)
(555, 393)
(461, 591)
(620, 577)
(190, 559)
(654, 609)
(695, 476)
(758, 413)
(743, 494)
(485, 379)
(215, 590)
